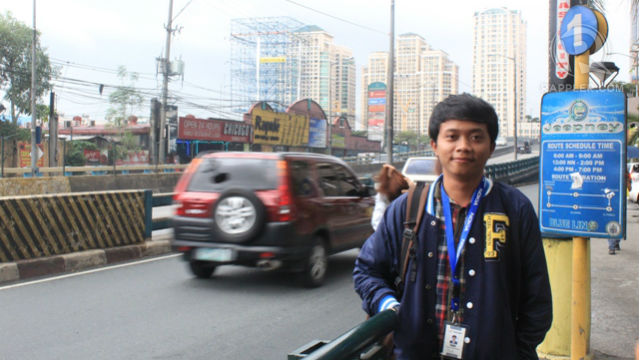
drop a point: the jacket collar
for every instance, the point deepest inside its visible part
(488, 185)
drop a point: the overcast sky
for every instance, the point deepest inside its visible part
(89, 39)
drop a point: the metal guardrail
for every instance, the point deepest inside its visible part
(95, 170)
(513, 172)
(380, 158)
(150, 201)
(168, 168)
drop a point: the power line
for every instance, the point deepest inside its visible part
(180, 12)
(337, 18)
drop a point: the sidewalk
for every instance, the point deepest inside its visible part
(614, 294)
(83, 260)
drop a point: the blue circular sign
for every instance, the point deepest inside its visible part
(578, 30)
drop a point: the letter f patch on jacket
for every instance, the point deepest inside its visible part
(496, 225)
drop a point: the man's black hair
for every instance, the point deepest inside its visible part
(464, 107)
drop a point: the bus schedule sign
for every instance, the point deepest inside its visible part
(583, 138)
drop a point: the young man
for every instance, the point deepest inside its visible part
(498, 301)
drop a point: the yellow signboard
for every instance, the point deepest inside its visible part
(273, 128)
(276, 59)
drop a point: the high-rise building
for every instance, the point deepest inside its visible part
(281, 60)
(375, 71)
(499, 64)
(407, 82)
(439, 79)
(327, 72)
(422, 77)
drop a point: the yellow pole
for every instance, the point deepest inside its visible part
(570, 332)
(581, 71)
(581, 281)
(579, 294)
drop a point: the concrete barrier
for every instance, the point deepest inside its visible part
(160, 182)
(38, 226)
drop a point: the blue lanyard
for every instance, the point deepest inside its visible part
(468, 221)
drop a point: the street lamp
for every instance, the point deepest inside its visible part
(603, 71)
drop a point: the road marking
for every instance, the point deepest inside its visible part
(110, 267)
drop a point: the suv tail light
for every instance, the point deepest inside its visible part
(285, 201)
(194, 207)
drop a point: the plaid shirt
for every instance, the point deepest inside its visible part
(444, 288)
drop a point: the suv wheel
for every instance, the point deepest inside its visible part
(238, 215)
(315, 267)
(202, 269)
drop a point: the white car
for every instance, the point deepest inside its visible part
(501, 141)
(635, 184)
(421, 169)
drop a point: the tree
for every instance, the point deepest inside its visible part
(411, 138)
(627, 88)
(75, 153)
(11, 131)
(15, 65)
(125, 100)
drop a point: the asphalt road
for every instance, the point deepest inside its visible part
(155, 310)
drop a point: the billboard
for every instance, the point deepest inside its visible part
(337, 141)
(582, 164)
(376, 108)
(274, 128)
(317, 133)
(213, 130)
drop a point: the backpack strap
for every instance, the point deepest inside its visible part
(415, 207)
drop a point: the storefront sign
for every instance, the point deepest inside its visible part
(273, 128)
(213, 130)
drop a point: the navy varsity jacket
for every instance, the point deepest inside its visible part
(507, 297)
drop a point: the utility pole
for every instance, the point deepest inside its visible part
(330, 107)
(34, 153)
(53, 131)
(515, 108)
(165, 87)
(391, 68)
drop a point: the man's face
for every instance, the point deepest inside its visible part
(463, 148)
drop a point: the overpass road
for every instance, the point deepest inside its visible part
(154, 309)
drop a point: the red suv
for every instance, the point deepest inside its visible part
(272, 210)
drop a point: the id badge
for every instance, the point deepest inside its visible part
(453, 342)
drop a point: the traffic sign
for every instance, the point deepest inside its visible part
(603, 32)
(579, 29)
(40, 152)
(582, 164)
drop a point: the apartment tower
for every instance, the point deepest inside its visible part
(499, 64)
(422, 77)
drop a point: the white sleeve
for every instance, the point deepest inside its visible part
(378, 210)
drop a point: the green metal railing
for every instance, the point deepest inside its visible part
(361, 342)
(514, 172)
